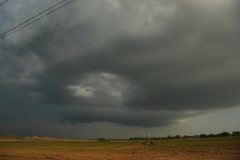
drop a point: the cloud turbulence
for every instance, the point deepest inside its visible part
(143, 63)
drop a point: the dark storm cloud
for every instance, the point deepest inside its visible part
(184, 81)
(141, 118)
(144, 63)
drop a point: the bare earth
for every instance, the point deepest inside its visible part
(184, 149)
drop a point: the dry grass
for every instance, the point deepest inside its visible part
(181, 149)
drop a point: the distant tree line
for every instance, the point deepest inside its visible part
(223, 134)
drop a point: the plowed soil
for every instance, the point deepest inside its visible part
(180, 149)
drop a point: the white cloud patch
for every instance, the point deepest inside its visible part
(94, 83)
(81, 91)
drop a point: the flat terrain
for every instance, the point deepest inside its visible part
(227, 148)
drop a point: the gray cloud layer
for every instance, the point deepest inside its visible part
(140, 63)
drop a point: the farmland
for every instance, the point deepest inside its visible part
(217, 148)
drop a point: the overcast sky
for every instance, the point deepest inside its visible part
(118, 68)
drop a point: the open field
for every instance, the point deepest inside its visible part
(226, 148)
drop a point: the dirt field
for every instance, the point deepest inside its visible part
(181, 149)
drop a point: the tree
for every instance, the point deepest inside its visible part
(203, 136)
(177, 136)
(101, 139)
(224, 134)
(236, 133)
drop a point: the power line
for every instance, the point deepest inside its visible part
(31, 20)
(25, 25)
(35, 18)
(2, 3)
